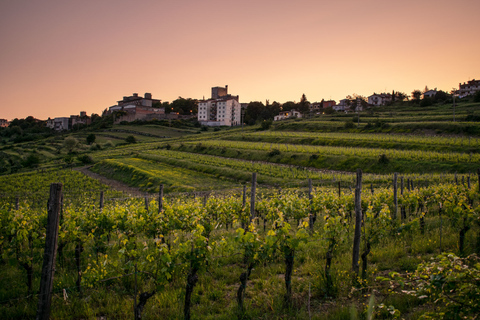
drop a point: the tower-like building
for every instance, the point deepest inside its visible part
(222, 109)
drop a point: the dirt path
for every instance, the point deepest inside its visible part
(117, 185)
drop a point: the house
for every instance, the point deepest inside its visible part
(343, 105)
(222, 109)
(316, 106)
(60, 124)
(469, 88)
(379, 99)
(319, 106)
(329, 103)
(430, 93)
(287, 115)
(3, 123)
(135, 107)
(82, 119)
(67, 123)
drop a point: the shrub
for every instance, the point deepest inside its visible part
(266, 124)
(131, 139)
(476, 97)
(314, 157)
(32, 161)
(91, 138)
(274, 152)
(85, 159)
(349, 125)
(383, 159)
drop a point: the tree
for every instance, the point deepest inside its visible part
(304, 105)
(91, 138)
(184, 106)
(254, 112)
(289, 105)
(400, 96)
(70, 143)
(416, 95)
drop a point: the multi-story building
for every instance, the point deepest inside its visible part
(469, 88)
(379, 99)
(3, 123)
(67, 123)
(222, 109)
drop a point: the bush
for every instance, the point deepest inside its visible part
(95, 146)
(85, 159)
(476, 97)
(383, 159)
(314, 157)
(91, 138)
(131, 139)
(349, 125)
(274, 152)
(266, 124)
(426, 102)
(32, 161)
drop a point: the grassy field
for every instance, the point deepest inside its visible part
(429, 151)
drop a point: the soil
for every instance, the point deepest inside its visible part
(117, 185)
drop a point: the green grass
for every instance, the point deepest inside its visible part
(148, 175)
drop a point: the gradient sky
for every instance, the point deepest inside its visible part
(59, 57)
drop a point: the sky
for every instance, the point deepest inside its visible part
(59, 57)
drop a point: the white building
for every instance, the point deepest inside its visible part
(430, 93)
(222, 109)
(379, 99)
(287, 114)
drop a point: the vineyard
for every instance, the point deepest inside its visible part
(242, 253)
(248, 222)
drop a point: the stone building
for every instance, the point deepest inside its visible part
(135, 107)
(468, 88)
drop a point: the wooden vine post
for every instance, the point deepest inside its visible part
(51, 241)
(101, 200)
(146, 201)
(252, 198)
(395, 196)
(244, 204)
(478, 174)
(310, 197)
(358, 223)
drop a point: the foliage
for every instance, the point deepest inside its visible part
(91, 138)
(70, 143)
(450, 282)
(131, 139)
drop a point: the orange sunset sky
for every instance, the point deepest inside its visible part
(60, 57)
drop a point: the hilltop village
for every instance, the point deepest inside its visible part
(225, 109)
